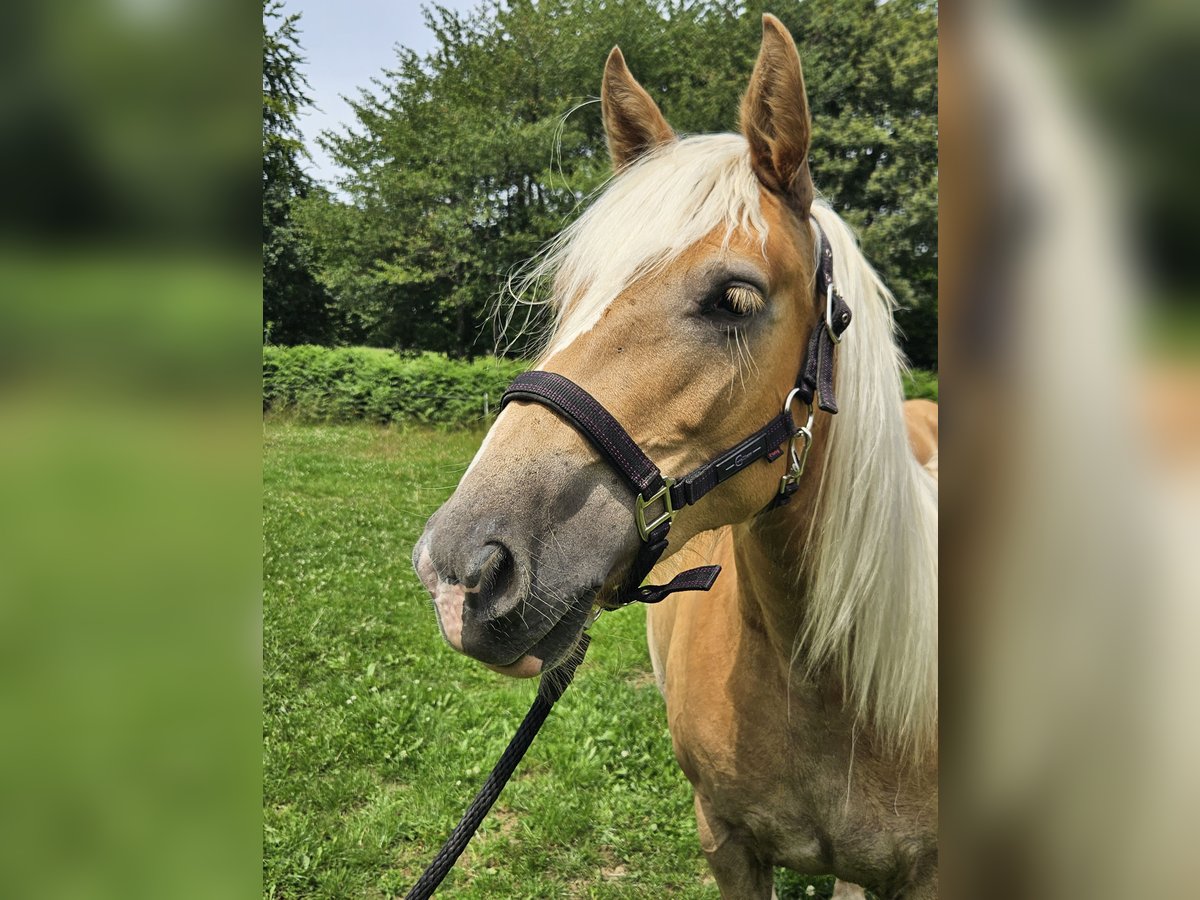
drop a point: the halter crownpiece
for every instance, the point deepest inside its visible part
(659, 498)
(817, 374)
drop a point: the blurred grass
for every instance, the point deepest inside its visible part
(376, 734)
(130, 436)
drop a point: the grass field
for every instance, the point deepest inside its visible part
(376, 734)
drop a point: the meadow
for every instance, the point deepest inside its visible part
(376, 734)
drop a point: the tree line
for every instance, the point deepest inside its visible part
(462, 162)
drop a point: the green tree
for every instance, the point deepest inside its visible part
(296, 306)
(460, 164)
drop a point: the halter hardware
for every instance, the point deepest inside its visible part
(668, 515)
(798, 460)
(844, 317)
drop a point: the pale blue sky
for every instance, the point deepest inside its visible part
(346, 44)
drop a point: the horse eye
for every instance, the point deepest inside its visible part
(740, 300)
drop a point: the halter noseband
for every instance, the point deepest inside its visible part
(652, 488)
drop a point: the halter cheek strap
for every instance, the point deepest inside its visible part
(816, 378)
(659, 498)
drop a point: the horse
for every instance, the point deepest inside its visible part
(801, 690)
(921, 420)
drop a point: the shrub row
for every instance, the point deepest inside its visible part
(921, 383)
(346, 384)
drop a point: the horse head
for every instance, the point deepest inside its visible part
(683, 297)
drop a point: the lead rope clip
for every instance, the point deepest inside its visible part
(797, 456)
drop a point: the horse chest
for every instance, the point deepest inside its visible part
(781, 765)
(769, 763)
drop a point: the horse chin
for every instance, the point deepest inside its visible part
(525, 667)
(555, 647)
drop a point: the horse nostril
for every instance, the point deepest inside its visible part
(489, 563)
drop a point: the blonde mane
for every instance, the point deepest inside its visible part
(869, 563)
(868, 559)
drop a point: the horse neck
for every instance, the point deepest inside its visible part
(843, 580)
(769, 550)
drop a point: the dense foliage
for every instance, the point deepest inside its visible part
(347, 384)
(295, 306)
(921, 384)
(320, 384)
(462, 163)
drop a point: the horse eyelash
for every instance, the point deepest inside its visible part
(744, 300)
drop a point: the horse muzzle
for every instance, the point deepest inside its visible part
(489, 602)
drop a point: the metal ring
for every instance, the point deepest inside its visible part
(837, 338)
(787, 407)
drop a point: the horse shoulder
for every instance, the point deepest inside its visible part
(679, 634)
(675, 612)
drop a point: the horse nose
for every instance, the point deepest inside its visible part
(486, 566)
(485, 561)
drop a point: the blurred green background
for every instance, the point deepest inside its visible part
(130, 437)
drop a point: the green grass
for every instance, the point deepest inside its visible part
(377, 735)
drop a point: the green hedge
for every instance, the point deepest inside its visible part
(322, 384)
(921, 383)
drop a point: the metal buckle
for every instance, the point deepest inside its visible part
(836, 338)
(668, 515)
(799, 459)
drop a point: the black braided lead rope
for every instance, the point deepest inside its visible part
(550, 688)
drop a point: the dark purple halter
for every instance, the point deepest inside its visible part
(670, 495)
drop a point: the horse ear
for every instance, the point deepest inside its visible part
(775, 118)
(632, 120)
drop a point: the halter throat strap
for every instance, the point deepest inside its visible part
(659, 498)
